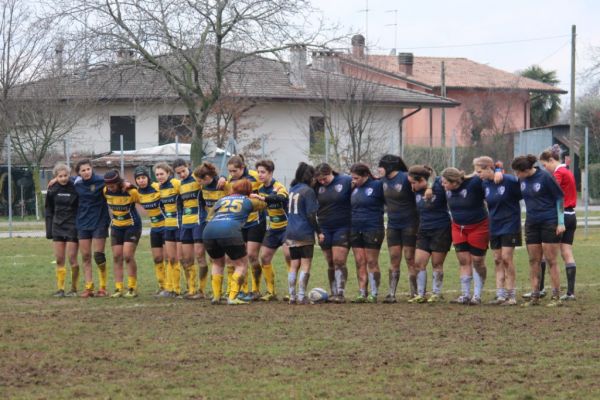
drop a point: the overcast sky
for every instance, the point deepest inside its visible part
(468, 28)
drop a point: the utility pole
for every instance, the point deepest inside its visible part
(572, 124)
(443, 94)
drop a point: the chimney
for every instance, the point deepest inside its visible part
(358, 46)
(405, 63)
(124, 55)
(59, 57)
(326, 60)
(298, 65)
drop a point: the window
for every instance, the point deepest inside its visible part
(317, 135)
(122, 125)
(170, 126)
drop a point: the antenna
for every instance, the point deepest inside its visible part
(395, 25)
(366, 11)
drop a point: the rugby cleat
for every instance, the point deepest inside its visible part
(528, 295)
(72, 293)
(87, 293)
(568, 297)
(215, 302)
(461, 300)
(302, 302)
(435, 298)
(130, 294)
(338, 299)
(371, 299)
(118, 293)
(59, 293)
(533, 301)
(101, 293)
(269, 297)
(165, 294)
(418, 299)
(510, 302)
(475, 301)
(195, 296)
(360, 299)
(236, 302)
(555, 301)
(497, 301)
(389, 299)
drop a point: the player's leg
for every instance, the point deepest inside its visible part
(71, 253)
(61, 270)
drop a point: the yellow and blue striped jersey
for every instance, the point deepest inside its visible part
(150, 201)
(252, 176)
(276, 216)
(189, 191)
(210, 196)
(122, 207)
(169, 197)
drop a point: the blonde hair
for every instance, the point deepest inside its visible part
(60, 167)
(483, 162)
(164, 166)
(453, 175)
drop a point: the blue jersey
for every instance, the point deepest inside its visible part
(466, 203)
(334, 203)
(400, 202)
(229, 214)
(541, 192)
(433, 213)
(367, 206)
(302, 212)
(503, 204)
(92, 211)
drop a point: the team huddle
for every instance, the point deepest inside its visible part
(241, 218)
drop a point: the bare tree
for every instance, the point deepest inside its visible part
(196, 46)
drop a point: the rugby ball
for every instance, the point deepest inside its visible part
(318, 295)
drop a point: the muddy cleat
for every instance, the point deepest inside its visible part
(130, 294)
(101, 293)
(339, 299)
(87, 293)
(418, 299)
(461, 300)
(475, 301)
(269, 297)
(510, 302)
(371, 299)
(291, 300)
(435, 298)
(568, 297)
(247, 297)
(531, 302)
(498, 301)
(286, 298)
(255, 296)
(303, 301)
(555, 301)
(165, 294)
(389, 299)
(195, 296)
(236, 302)
(360, 299)
(72, 293)
(59, 293)
(215, 302)
(118, 293)
(528, 295)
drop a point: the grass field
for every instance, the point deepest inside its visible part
(155, 349)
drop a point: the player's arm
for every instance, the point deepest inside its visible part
(49, 208)
(257, 204)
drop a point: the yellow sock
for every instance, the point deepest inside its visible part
(230, 269)
(132, 282)
(256, 277)
(61, 273)
(119, 286)
(203, 273)
(168, 276)
(269, 274)
(191, 279)
(159, 271)
(244, 285)
(89, 286)
(176, 278)
(217, 283)
(103, 274)
(74, 278)
(236, 280)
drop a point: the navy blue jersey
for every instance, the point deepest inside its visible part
(228, 215)
(433, 213)
(302, 211)
(400, 202)
(92, 212)
(334, 203)
(367, 206)
(541, 192)
(466, 202)
(503, 204)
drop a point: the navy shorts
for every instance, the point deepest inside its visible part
(402, 237)
(509, 240)
(568, 235)
(367, 240)
(171, 235)
(64, 239)
(274, 239)
(186, 235)
(544, 232)
(339, 237)
(434, 240)
(100, 232)
(198, 232)
(255, 233)
(157, 239)
(119, 236)
(297, 253)
(234, 248)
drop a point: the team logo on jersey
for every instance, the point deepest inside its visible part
(463, 193)
(448, 193)
(369, 191)
(418, 198)
(537, 187)
(92, 188)
(322, 189)
(398, 187)
(385, 185)
(338, 188)
(501, 190)
(433, 198)
(487, 192)
(354, 191)
(523, 186)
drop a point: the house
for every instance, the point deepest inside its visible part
(286, 106)
(492, 101)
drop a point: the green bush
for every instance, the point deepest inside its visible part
(594, 181)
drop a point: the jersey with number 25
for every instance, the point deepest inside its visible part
(228, 216)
